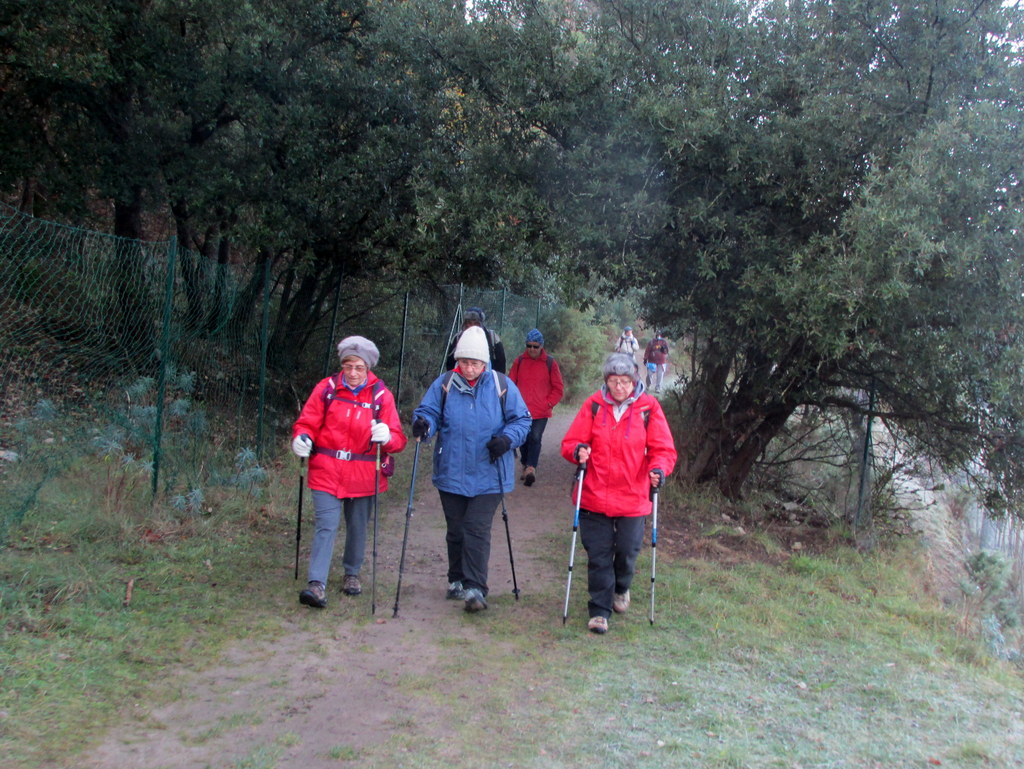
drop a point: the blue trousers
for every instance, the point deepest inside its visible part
(328, 510)
(529, 453)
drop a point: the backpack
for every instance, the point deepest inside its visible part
(547, 359)
(387, 461)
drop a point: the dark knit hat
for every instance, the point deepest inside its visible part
(361, 347)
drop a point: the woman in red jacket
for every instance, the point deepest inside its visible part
(623, 438)
(343, 422)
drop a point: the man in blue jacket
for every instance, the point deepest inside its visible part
(478, 416)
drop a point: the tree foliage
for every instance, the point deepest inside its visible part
(836, 208)
(820, 197)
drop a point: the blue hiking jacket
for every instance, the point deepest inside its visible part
(472, 416)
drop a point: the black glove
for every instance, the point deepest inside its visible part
(498, 445)
(420, 427)
(661, 481)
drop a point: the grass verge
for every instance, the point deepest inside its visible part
(837, 660)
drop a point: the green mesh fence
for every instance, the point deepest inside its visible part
(146, 365)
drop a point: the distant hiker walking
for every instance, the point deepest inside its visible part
(344, 420)
(656, 355)
(540, 381)
(478, 416)
(621, 435)
(627, 343)
(474, 316)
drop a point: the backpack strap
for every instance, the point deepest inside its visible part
(330, 395)
(500, 385)
(644, 413)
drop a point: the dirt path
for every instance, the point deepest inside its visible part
(331, 682)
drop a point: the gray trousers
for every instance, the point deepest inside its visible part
(328, 510)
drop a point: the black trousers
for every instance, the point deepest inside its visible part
(612, 544)
(469, 522)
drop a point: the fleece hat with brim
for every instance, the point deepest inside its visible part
(620, 364)
(360, 347)
(472, 344)
(474, 315)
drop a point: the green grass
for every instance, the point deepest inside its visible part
(837, 660)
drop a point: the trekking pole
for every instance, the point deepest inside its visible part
(408, 515)
(581, 470)
(654, 542)
(508, 536)
(373, 568)
(298, 518)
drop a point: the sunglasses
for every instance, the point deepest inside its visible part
(533, 346)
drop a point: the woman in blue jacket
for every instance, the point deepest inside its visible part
(478, 416)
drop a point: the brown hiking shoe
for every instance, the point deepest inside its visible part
(620, 602)
(314, 595)
(352, 585)
(598, 625)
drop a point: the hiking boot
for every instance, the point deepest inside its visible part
(620, 602)
(314, 595)
(455, 591)
(475, 600)
(352, 585)
(529, 476)
(598, 625)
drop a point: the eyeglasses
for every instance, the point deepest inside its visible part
(533, 347)
(350, 368)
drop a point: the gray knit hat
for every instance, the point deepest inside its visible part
(620, 364)
(361, 347)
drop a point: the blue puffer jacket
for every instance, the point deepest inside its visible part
(472, 416)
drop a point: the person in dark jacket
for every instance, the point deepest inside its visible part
(656, 356)
(540, 381)
(621, 435)
(344, 420)
(478, 416)
(475, 317)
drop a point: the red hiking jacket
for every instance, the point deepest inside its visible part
(541, 388)
(622, 455)
(347, 428)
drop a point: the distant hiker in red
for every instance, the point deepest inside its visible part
(540, 381)
(621, 435)
(340, 426)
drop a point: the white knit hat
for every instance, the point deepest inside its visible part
(472, 344)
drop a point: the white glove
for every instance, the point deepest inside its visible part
(380, 433)
(302, 445)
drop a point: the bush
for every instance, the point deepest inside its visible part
(580, 346)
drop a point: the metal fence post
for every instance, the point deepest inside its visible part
(401, 351)
(264, 344)
(165, 354)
